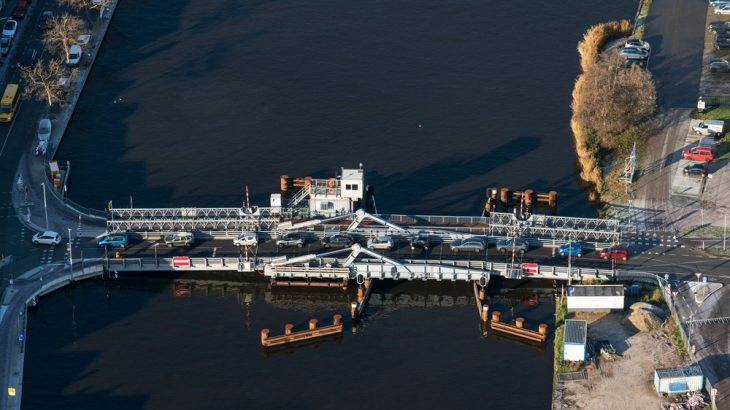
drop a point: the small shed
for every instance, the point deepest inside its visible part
(574, 340)
(599, 298)
(678, 379)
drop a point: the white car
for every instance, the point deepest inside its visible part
(381, 242)
(9, 28)
(248, 238)
(722, 9)
(44, 130)
(47, 238)
(74, 55)
(635, 42)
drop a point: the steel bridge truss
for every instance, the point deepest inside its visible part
(556, 227)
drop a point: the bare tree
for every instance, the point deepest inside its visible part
(46, 82)
(86, 5)
(62, 33)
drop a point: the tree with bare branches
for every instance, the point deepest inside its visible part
(87, 5)
(62, 33)
(46, 82)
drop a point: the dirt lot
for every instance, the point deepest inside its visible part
(627, 382)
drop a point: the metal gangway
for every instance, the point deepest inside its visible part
(214, 219)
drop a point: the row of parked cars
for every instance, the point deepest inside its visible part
(720, 30)
(636, 52)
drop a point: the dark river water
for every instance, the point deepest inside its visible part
(190, 101)
(134, 345)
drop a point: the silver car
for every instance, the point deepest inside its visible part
(381, 242)
(246, 239)
(633, 53)
(44, 129)
(180, 239)
(290, 239)
(506, 245)
(468, 244)
(635, 42)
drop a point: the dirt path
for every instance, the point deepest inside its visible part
(627, 382)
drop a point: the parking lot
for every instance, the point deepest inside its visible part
(717, 83)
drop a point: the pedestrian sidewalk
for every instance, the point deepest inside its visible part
(28, 201)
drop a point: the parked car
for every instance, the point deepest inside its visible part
(113, 240)
(337, 241)
(28, 59)
(714, 3)
(638, 43)
(246, 239)
(630, 63)
(9, 28)
(718, 25)
(722, 44)
(719, 68)
(570, 249)
(721, 34)
(44, 129)
(719, 60)
(633, 53)
(506, 245)
(289, 239)
(420, 241)
(180, 239)
(43, 20)
(21, 9)
(381, 242)
(722, 9)
(615, 252)
(5, 45)
(468, 244)
(695, 169)
(698, 154)
(709, 127)
(47, 238)
(74, 55)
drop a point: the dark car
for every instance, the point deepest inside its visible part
(718, 25)
(420, 241)
(43, 21)
(630, 63)
(28, 59)
(5, 45)
(338, 241)
(721, 34)
(695, 169)
(21, 9)
(719, 67)
(722, 44)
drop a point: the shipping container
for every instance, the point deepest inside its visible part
(678, 380)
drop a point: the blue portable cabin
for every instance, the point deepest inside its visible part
(574, 340)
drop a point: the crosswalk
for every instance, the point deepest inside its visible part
(658, 243)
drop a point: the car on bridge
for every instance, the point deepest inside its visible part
(113, 240)
(246, 239)
(338, 241)
(381, 242)
(47, 238)
(698, 154)
(468, 244)
(695, 169)
(180, 239)
(289, 239)
(9, 28)
(570, 249)
(507, 245)
(420, 241)
(615, 252)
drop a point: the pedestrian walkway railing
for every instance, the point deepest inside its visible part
(84, 211)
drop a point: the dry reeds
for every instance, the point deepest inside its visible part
(597, 36)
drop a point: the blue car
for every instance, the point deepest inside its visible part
(113, 240)
(570, 248)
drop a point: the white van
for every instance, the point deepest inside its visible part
(709, 127)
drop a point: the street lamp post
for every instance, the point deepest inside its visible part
(45, 207)
(70, 254)
(724, 234)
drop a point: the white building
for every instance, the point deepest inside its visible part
(599, 298)
(336, 196)
(574, 340)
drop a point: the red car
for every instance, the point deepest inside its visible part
(21, 9)
(615, 252)
(698, 154)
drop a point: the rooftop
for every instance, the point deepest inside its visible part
(576, 331)
(598, 290)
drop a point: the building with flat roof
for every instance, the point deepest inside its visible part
(598, 298)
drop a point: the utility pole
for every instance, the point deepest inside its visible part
(45, 207)
(70, 257)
